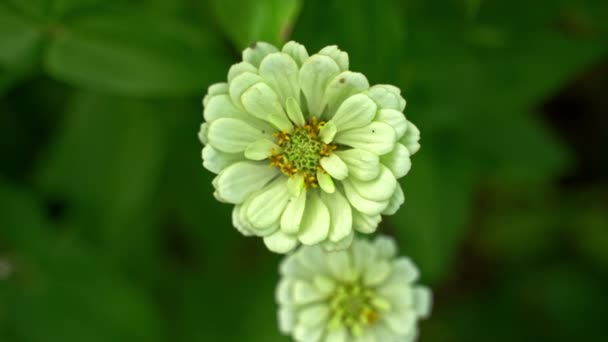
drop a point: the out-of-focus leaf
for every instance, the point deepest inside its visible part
(248, 21)
(62, 288)
(372, 32)
(431, 223)
(105, 164)
(143, 54)
(20, 39)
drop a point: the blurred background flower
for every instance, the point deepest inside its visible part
(107, 217)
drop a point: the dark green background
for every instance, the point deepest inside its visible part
(109, 231)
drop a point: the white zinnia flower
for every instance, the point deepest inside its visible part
(364, 293)
(304, 148)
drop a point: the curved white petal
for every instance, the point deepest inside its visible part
(287, 319)
(395, 201)
(280, 242)
(313, 315)
(377, 273)
(215, 161)
(222, 106)
(214, 90)
(292, 216)
(339, 56)
(262, 102)
(315, 74)
(255, 53)
(334, 166)
(325, 182)
(376, 137)
(337, 335)
(340, 214)
(385, 247)
(423, 301)
(261, 149)
(364, 223)
(296, 51)
(361, 164)
(362, 204)
(343, 244)
(233, 135)
(240, 84)
(294, 112)
(267, 207)
(328, 132)
(242, 227)
(398, 161)
(356, 111)
(315, 221)
(387, 96)
(341, 87)
(410, 138)
(393, 118)
(202, 133)
(239, 68)
(401, 322)
(379, 189)
(281, 73)
(236, 182)
(304, 293)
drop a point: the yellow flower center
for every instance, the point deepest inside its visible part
(302, 151)
(352, 307)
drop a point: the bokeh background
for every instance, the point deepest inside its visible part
(109, 231)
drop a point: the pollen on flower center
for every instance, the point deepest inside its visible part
(352, 307)
(302, 151)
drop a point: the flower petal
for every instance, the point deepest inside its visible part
(213, 90)
(385, 247)
(292, 216)
(202, 133)
(239, 68)
(325, 182)
(315, 74)
(267, 207)
(330, 246)
(257, 51)
(241, 84)
(305, 293)
(296, 51)
(339, 56)
(328, 132)
(356, 111)
(387, 96)
(242, 227)
(262, 102)
(315, 222)
(280, 242)
(287, 319)
(395, 201)
(377, 273)
(340, 215)
(337, 335)
(393, 118)
(342, 87)
(423, 300)
(236, 182)
(362, 204)
(313, 315)
(334, 166)
(280, 71)
(261, 149)
(222, 106)
(365, 224)
(398, 161)
(361, 164)
(379, 189)
(401, 322)
(294, 112)
(215, 161)
(233, 135)
(410, 138)
(376, 137)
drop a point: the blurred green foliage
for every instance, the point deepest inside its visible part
(109, 231)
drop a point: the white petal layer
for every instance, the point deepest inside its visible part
(315, 222)
(341, 87)
(334, 166)
(280, 71)
(339, 56)
(340, 214)
(395, 202)
(387, 96)
(257, 51)
(361, 164)
(376, 137)
(240, 84)
(267, 207)
(379, 189)
(292, 216)
(215, 161)
(233, 135)
(356, 111)
(296, 51)
(398, 161)
(410, 138)
(362, 204)
(262, 102)
(236, 182)
(315, 74)
(393, 118)
(365, 224)
(240, 68)
(280, 242)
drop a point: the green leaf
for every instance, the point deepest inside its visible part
(248, 21)
(20, 39)
(146, 54)
(105, 163)
(64, 287)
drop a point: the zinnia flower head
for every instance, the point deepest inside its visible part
(305, 149)
(364, 293)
